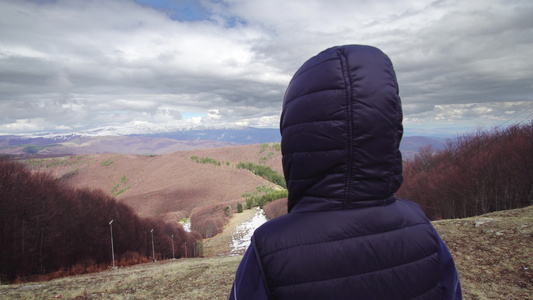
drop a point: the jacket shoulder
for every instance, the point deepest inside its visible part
(364, 251)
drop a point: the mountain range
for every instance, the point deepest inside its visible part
(112, 141)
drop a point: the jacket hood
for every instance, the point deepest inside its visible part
(341, 127)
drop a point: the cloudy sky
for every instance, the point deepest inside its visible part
(72, 65)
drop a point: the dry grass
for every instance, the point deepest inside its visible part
(493, 253)
(208, 278)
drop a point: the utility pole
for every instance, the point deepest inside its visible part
(172, 247)
(112, 248)
(153, 250)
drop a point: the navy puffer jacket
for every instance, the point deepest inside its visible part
(346, 235)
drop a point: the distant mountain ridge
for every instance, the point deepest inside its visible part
(245, 136)
(163, 142)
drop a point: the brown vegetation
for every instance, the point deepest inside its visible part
(275, 208)
(480, 173)
(47, 226)
(210, 220)
(169, 185)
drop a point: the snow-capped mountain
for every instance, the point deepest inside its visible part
(144, 138)
(140, 128)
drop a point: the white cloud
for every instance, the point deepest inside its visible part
(80, 64)
(23, 125)
(460, 118)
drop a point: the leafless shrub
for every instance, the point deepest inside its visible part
(479, 173)
(276, 208)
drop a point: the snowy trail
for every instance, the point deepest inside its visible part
(240, 239)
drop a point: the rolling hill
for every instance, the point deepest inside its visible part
(169, 185)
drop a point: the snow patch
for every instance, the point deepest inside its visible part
(241, 238)
(187, 225)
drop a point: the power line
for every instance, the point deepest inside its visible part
(530, 108)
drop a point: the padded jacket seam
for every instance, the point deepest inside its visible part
(298, 98)
(310, 122)
(342, 239)
(260, 263)
(362, 274)
(349, 118)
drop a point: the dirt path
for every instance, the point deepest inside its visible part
(220, 245)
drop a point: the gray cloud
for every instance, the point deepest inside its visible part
(73, 65)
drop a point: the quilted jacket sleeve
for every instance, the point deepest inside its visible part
(248, 282)
(450, 278)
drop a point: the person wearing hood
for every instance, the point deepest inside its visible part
(346, 235)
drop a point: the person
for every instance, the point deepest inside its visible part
(346, 234)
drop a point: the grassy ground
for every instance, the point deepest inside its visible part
(493, 253)
(208, 278)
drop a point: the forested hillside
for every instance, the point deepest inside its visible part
(47, 226)
(478, 173)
